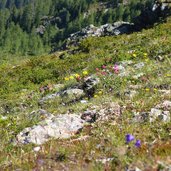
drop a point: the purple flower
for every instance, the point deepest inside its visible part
(138, 143)
(103, 66)
(129, 138)
(116, 69)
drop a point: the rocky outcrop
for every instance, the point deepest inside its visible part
(61, 126)
(146, 19)
(149, 16)
(89, 85)
(116, 28)
(160, 112)
(45, 22)
(76, 92)
(64, 126)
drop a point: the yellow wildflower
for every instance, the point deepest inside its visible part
(95, 96)
(85, 73)
(100, 92)
(146, 60)
(145, 54)
(77, 75)
(168, 75)
(155, 89)
(134, 55)
(147, 89)
(66, 79)
(71, 77)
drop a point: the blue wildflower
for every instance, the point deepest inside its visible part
(129, 138)
(138, 143)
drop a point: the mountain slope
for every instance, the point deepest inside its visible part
(133, 72)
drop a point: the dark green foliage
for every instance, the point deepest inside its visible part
(33, 27)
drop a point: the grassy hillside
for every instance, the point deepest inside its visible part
(20, 92)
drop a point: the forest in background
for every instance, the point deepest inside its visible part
(33, 27)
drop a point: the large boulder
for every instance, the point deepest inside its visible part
(66, 125)
(61, 126)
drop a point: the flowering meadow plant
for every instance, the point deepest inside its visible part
(107, 70)
(129, 138)
(138, 143)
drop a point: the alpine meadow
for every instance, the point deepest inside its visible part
(85, 85)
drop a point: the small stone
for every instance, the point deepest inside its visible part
(159, 114)
(124, 74)
(165, 92)
(121, 68)
(89, 85)
(167, 104)
(135, 87)
(37, 149)
(89, 116)
(126, 63)
(116, 108)
(137, 169)
(141, 117)
(130, 93)
(155, 112)
(83, 101)
(105, 160)
(139, 65)
(138, 75)
(165, 116)
(159, 58)
(77, 93)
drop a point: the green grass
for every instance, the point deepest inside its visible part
(19, 95)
